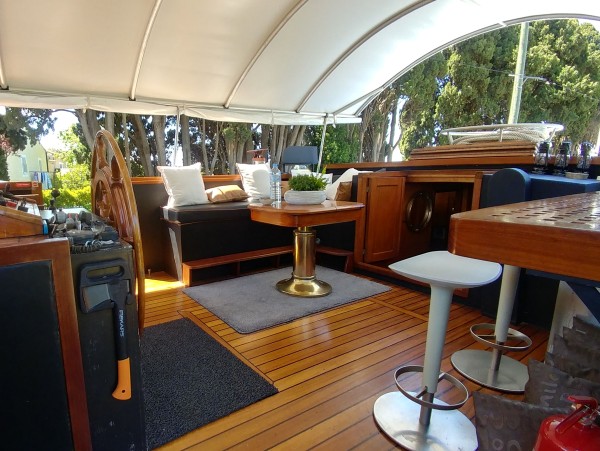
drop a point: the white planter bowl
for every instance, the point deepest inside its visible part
(304, 197)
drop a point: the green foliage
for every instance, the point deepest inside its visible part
(567, 55)
(342, 143)
(75, 177)
(74, 186)
(237, 131)
(3, 166)
(307, 182)
(22, 125)
(76, 152)
(471, 83)
(70, 198)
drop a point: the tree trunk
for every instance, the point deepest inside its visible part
(207, 168)
(109, 122)
(89, 124)
(126, 149)
(278, 142)
(393, 121)
(142, 145)
(217, 142)
(186, 145)
(109, 125)
(158, 125)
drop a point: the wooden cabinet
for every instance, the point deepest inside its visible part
(408, 213)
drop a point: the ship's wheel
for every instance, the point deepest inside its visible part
(113, 200)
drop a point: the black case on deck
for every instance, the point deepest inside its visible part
(114, 424)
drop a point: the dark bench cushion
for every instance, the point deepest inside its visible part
(207, 212)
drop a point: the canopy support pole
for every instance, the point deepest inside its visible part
(322, 143)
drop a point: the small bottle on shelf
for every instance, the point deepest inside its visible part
(275, 185)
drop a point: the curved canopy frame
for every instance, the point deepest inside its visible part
(283, 62)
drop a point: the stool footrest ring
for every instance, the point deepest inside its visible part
(489, 339)
(443, 376)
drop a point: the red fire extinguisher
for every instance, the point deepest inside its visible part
(575, 432)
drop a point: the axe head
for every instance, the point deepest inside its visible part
(95, 297)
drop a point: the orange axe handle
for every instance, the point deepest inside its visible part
(123, 389)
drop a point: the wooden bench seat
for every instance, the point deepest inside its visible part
(274, 252)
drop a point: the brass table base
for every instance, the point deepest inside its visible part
(297, 286)
(303, 282)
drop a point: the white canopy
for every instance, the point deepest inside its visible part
(266, 61)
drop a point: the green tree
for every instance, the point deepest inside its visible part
(342, 142)
(75, 151)
(419, 90)
(23, 125)
(471, 84)
(567, 55)
(3, 165)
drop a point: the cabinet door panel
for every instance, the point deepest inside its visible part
(33, 374)
(384, 208)
(42, 383)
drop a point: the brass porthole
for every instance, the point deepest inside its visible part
(419, 211)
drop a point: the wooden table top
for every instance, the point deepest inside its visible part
(559, 235)
(288, 215)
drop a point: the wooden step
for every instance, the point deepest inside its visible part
(348, 265)
(233, 259)
(275, 252)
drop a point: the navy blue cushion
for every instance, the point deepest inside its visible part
(508, 186)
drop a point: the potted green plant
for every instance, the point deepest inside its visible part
(306, 189)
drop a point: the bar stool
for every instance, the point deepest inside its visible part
(418, 420)
(494, 369)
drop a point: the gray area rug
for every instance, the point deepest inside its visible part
(252, 303)
(189, 380)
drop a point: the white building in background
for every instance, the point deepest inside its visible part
(30, 164)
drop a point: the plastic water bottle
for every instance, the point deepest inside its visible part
(275, 185)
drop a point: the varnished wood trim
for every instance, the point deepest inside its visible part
(57, 251)
(206, 178)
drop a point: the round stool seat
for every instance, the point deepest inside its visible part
(444, 269)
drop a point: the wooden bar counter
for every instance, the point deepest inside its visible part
(559, 235)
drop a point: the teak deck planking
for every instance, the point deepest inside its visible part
(329, 368)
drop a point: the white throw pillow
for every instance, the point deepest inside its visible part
(184, 185)
(256, 179)
(332, 189)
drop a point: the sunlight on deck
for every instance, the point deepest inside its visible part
(160, 282)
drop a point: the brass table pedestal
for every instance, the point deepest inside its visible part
(304, 282)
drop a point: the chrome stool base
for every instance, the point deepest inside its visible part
(477, 365)
(398, 417)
